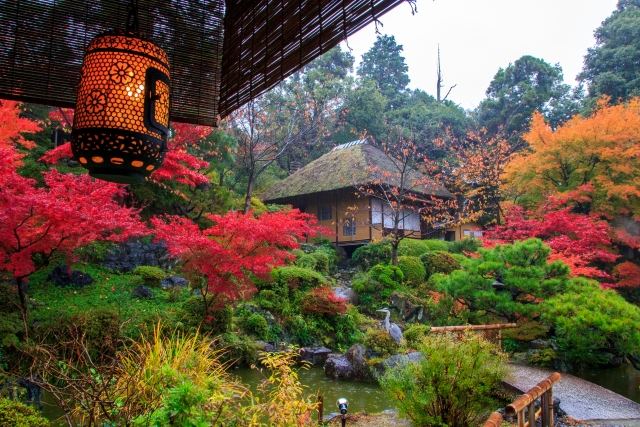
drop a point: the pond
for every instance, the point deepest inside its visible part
(362, 397)
(624, 380)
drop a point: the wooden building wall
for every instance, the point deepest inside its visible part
(347, 204)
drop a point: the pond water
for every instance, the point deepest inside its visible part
(624, 380)
(362, 396)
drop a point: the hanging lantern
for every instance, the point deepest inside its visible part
(121, 121)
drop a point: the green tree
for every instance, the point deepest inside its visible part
(529, 84)
(430, 121)
(385, 65)
(611, 66)
(364, 112)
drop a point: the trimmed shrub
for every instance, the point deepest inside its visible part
(152, 275)
(451, 385)
(256, 324)
(297, 277)
(415, 247)
(412, 269)
(592, 325)
(377, 284)
(371, 254)
(439, 262)
(380, 342)
(306, 261)
(415, 333)
(412, 247)
(323, 261)
(468, 244)
(16, 414)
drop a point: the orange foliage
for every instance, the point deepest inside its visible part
(12, 126)
(595, 159)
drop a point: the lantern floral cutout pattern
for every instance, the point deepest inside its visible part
(121, 72)
(95, 102)
(121, 123)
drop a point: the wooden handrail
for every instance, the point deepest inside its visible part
(494, 420)
(538, 390)
(459, 328)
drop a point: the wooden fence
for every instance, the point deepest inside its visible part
(524, 407)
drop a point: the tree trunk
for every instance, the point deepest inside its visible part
(247, 198)
(23, 305)
(394, 251)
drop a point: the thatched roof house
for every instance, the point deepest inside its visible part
(330, 187)
(347, 166)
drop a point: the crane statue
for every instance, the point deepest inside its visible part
(394, 330)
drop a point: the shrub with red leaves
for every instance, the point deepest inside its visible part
(324, 301)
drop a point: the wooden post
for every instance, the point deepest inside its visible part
(550, 407)
(320, 409)
(520, 418)
(531, 413)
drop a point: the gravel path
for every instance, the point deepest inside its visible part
(580, 399)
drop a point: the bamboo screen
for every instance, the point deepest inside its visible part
(42, 43)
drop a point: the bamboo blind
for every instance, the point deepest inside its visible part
(221, 55)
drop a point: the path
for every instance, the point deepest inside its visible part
(580, 399)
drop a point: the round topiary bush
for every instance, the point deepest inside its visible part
(297, 277)
(377, 284)
(412, 269)
(380, 343)
(371, 254)
(439, 262)
(152, 275)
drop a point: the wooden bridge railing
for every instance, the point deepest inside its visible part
(492, 332)
(524, 406)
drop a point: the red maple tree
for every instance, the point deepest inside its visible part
(583, 242)
(67, 212)
(236, 248)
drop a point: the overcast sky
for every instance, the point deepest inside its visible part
(479, 36)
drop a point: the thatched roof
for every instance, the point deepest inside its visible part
(350, 165)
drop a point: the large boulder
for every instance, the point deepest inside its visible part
(357, 355)
(174, 282)
(338, 367)
(62, 276)
(133, 253)
(317, 356)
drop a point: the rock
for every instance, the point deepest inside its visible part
(357, 355)
(174, 282)
(409, 312)
(142, 292)
(317, 356)
(539, 344)
(338, 367)
(129, 255)
(265, 346)
(61, 276)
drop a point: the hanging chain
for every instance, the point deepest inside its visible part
(132, 18)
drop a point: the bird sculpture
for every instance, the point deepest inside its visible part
(392, 329)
